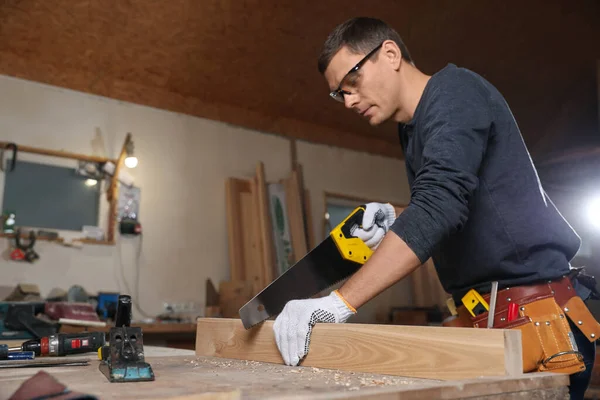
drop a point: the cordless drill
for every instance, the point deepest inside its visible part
(63, 344)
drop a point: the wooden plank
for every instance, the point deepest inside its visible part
(249, 224)
(265, 228)
(309, 220)
(299, 182)
(112, 193)
(243, 231)
(415, 351)
(233, 295)
(233, 187)
(294, 209)
(212, 296)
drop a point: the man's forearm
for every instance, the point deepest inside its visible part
(392, 261)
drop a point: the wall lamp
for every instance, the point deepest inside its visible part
(131, 161)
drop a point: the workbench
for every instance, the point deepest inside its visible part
(180, 374)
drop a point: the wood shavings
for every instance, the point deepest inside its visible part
(306, 380)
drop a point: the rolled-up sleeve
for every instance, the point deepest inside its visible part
(454, 129)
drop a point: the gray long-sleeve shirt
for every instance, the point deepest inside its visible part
(477, 206)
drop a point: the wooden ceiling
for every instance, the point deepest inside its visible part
(253, 63)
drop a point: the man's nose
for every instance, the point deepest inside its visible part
(350, 100)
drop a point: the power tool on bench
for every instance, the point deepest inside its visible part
(63, 344)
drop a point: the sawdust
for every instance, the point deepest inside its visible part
(310, 379)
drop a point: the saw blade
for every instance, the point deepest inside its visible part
(320, 269)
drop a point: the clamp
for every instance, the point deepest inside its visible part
(30, 254)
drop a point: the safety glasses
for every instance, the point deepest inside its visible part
(338, 94)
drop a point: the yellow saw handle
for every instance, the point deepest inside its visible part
(350, 247)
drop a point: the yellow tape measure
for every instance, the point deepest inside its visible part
(475, 303)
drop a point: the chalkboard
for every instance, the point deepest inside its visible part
(49, 196)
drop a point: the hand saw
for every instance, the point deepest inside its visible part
(334, 259)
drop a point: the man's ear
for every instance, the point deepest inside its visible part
(392, 53)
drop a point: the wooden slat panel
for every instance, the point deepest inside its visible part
(236, 257)
(233, 295)
(295, 215)
(243, 231)
(250, 226)
(415, 351)
(265, 228)
(309, 220)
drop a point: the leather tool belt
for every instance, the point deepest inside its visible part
(547, 340)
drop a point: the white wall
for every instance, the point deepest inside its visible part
(183, 164)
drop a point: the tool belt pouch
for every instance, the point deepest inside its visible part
(547, 340)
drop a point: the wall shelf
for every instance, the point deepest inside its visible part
(59, 239)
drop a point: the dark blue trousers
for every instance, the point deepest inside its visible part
(580, 381)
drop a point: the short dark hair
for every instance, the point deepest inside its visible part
(360, 35)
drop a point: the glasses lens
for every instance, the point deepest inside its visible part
(337, 96)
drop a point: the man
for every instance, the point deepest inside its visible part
(477, 206)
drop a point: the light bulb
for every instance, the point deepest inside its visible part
(90, 182)
(131, 162)
(594, 212)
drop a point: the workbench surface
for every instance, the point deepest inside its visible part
(182, 375)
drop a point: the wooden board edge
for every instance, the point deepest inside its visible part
(513, 352)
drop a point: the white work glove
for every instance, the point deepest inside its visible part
(294, 324)
(377, 220)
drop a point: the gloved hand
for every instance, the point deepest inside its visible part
(377, 220)
(294, 324)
